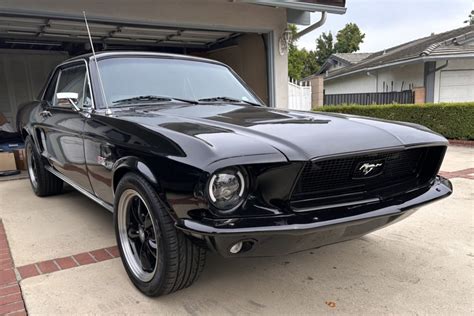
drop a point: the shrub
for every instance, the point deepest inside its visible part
(453, 120)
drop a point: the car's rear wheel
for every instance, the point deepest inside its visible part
(158, 258)
(42, 181)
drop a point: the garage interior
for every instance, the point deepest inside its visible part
(32, 45)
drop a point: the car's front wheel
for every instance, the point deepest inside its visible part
(158, 258)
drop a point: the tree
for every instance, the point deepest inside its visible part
(295, 57)
(296, 60)
(324, 47)
(311, 65)
(303, 63)
(470, 20)
(349, 39)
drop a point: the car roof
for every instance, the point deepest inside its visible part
(109, 54)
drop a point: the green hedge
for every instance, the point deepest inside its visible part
(453, 120)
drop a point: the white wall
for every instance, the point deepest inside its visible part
(374, 82)
(22, 76)
(210, 14)
(358, 83)
(454, 64)
(409, 74)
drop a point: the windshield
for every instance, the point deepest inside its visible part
(136, 77)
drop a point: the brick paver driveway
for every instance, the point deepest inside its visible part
(57, 256)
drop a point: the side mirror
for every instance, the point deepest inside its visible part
(67, 99)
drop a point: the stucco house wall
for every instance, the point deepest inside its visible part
(402, 77)
(438, 68)
(374, 81)
(358, 83)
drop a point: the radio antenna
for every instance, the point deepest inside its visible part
(108, 111)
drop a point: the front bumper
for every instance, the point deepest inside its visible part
(280, 235)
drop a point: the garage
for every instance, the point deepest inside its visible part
(247, 35)
(32, 46)
(456, 86)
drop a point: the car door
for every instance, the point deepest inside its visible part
(63, 123)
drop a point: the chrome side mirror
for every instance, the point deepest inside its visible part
(67, 99)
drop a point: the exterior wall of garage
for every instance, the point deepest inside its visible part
(211, 14)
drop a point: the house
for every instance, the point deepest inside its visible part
(341, 60)
(439, 68)
(247, 35)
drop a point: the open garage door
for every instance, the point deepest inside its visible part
(31, 45)
(456, 86)
(22, 75)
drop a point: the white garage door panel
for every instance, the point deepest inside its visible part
(456, 86)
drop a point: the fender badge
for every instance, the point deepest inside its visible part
(103, 162)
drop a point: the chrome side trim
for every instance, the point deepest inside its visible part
(94, 198)
(322, 207)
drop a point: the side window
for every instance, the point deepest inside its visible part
(73, 79)
(49, 94)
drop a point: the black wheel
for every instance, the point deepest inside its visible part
(43, 182)
(158, 258)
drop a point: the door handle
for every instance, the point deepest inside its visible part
(45, 113)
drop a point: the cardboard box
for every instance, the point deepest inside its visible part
(7, 161)
(3, 119)
(20, 159)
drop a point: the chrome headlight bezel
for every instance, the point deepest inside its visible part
(241, 175)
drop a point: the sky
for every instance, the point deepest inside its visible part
(387, 23)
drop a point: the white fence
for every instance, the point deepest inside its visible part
(299, 95)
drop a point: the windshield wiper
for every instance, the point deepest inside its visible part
(152, 98)
(227, 99)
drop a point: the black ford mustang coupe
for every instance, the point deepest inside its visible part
(189, 159)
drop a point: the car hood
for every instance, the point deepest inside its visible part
(298, 135)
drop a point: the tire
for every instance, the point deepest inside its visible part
(42, 181)
(158, 258)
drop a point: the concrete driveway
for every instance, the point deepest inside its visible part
(60, 250)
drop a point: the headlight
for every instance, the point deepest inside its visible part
(226, 189)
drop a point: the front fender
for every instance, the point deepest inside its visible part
(131, 164)
(144, 169)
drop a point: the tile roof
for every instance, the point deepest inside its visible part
(458, 41)
(352, 58)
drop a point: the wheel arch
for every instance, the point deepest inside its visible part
(132, 164)
(34, 135)
(24, 133)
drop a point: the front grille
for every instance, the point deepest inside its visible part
(340, 180)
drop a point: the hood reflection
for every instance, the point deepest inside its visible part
(241, 115)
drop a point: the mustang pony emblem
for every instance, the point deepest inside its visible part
(369, 167)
